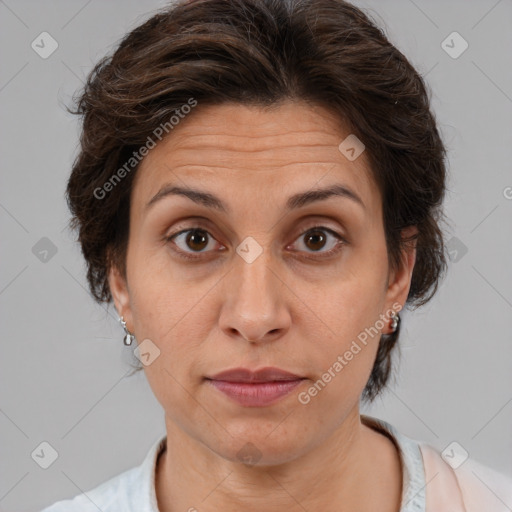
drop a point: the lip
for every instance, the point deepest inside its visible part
(267, 374)
(255, 388)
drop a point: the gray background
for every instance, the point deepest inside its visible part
(63, 363)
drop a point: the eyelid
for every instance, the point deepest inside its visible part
(320, 223)
(317, 221)
(200, 223)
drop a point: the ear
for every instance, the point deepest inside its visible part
(399, 280)
(120, 295)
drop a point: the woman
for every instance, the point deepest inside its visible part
(259, 193)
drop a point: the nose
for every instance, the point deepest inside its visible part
(255, 306)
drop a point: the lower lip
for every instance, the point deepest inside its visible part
(255, 394)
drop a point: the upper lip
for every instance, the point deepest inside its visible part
(268, 374)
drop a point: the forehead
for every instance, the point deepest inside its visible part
(233, 149)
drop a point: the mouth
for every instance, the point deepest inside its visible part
(255, 388)
(267, 374)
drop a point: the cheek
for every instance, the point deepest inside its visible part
(347, 315)
(164, 310)
(171, 311)
(351, 301)
(157, 293)
(342, 360)
(173, 328)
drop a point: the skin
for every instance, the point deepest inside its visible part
(283, 309)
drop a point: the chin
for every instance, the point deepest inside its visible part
(264, 446)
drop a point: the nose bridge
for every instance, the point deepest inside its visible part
(256, 280)
(254, 307)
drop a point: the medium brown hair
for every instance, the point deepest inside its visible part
(261, 52)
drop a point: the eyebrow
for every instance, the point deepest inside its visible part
(296, 201)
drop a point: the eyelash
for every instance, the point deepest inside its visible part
(185, 255)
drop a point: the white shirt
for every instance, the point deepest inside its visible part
(134, 489)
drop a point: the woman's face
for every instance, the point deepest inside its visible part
(255, 286)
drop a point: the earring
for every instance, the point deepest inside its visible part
(129, 337)
(395, 319)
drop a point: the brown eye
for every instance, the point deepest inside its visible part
(197, 239)
(190, 241)
(315, 240)
(319, 237)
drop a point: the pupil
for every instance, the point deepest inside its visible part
(316, 238)
(197, 237)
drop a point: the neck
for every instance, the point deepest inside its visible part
(356, 468)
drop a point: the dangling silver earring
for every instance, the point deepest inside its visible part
(129, 337)
(395, 318)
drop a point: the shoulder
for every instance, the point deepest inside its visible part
(110, 496)
(468, 483)
(484, 487)
(132, 490)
